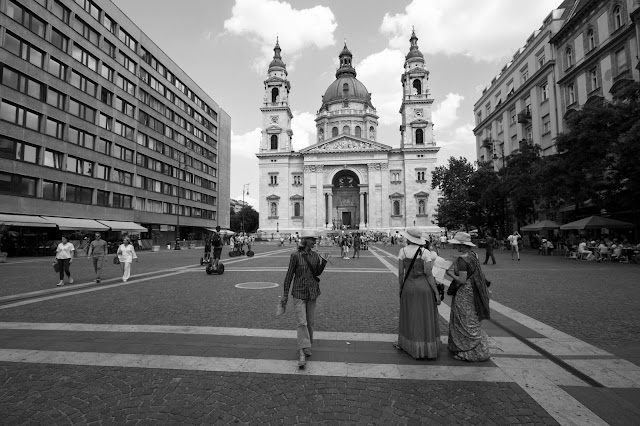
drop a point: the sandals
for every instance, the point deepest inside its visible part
(397, 346)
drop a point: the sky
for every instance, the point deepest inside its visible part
(225, 46)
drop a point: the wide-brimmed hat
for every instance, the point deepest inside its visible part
(308, 234)
(414, 235)
(462, 238)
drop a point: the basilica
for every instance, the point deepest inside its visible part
(348, 179)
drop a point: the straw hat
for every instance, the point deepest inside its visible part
(414, 235)
(462, 238)
(308, 234)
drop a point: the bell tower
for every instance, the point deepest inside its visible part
(417, 128)
(276, 113)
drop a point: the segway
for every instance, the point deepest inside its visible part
(250, 253)
(211, 271)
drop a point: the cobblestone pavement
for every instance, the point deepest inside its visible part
(174, 345)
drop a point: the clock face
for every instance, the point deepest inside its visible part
(274, 119)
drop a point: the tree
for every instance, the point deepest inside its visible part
(250, 216)
(521, 181)
(454, 206)
(487, 191)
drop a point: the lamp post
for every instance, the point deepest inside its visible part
(277, 227)
(177, 247)
(246, 185)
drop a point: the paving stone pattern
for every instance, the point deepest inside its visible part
(52, 395)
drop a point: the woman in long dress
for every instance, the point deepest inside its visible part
(126, 255)
(470, 304)
(418, 329)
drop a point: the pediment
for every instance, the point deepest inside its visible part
(345, 143)
(273, 129)
(296, 197)
(273, 197)
(421, 194)
(396, 195)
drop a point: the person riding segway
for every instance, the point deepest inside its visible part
(207, 251)
(215, 266)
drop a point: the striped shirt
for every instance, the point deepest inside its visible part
(305, 286)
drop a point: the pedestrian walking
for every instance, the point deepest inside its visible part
(305, 265)
(97, 253)
(64, 257)
(470, 304)
(345, 248)
(418, 324)
(126, 255)
(356, 245)
(490, 242)
(513, 242)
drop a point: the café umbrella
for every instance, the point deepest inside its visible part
(596, 222)
(543, 225)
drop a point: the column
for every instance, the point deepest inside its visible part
(361, 225)
(330, 208)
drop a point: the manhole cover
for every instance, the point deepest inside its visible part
(256, 285)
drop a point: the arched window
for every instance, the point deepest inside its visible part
(569, 55)
(358, 131)
(321, 135)
(334, 132)
(274, 94)
(617, 17)
(296, 209)
(417, 86)
(274, 141)
(396, 208)
(346, 130)
(372, 133)
(345, 90)
(419, 137)
(591, 39)
(421, 207)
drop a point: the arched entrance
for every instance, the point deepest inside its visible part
(346, 202)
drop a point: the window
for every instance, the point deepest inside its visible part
(108, 48)
(529, 133)
(274, 141)
(591, 40)
(105, 122)
(61, 11)
(85, 30)
(54, 128)
(20, 116)
(125, 85)
(569, 57)
(500, 126)
(53, 159)
(593, 78)
(546, 124)
(419, 137)
(25, 17)
(122, 201)
(17, 150)
(541, 60)
(124, 107)
(21, 48)
(122, 153)
(422, 207)
(126, 62)
(102, 198)
(78, 194)
(81, 138)
(59, 40)
(621, 61)
(79, 166)
(102, 172)
(106, 96)
(524, 74)
(420, 174)
(126, 39)
(617, 18)
(544, 92)
(57, 68)
(346, 130)
(17, 185)
(123, 130)
(488, 108)
(334, 132)
(22, 83)
(396, 208)
(84, 57)
(122, 177)
(273, 180)
(103, 146)
(297, 180)
(90, 8)
(81, 82)
(395, 177)
(109, 23)
(571, 94)
(51, 190)
(296, 209)
(107, 72)
(81, 110)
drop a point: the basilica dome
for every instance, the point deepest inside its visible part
(346, 86)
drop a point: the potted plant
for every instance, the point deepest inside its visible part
(155, 235)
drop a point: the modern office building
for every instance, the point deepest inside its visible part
(586, 51)
(97, 123)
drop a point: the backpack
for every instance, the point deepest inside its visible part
(216, 240)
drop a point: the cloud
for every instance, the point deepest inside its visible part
(460, 142)
(261, 20)
(243, 159)
(446, 113)
(380, 72)
(303, 126)
(483, 30)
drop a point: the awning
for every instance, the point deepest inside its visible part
(116, 225)
(25, 220)
(73, 224)
(597, 222)
(542, 225)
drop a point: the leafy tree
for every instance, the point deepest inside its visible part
(520, 176)
(487, 191)
(250, 216)
(455, 206)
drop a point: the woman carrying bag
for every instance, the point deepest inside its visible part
(64, 257)
(419, 325)
(126, 255)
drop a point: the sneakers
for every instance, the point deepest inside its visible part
(97, 280)
(347, 258)
(61, 283)
(302, 361)
(70, 280)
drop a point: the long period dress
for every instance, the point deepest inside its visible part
(418, 330)
(467, 340)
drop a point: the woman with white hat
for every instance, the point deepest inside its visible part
(305, 265)
(418, 325)
(470, 304)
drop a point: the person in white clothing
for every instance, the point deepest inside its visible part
(513, 242)
(64, 257)
(126, 255)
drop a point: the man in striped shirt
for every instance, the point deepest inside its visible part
(305, 265)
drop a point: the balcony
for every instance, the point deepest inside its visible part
(486, 143)
(524, 116)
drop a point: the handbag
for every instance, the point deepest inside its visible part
(56, 266)
(116, 260)
(280, 308)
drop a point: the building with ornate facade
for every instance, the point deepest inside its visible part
(348, 178)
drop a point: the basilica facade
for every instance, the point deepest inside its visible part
(348, 178)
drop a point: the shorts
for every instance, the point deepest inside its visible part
(217, 251)
(514, 247)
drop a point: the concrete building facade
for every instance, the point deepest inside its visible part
(97, 122)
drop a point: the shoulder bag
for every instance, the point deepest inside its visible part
(406, 275)
(311, 268)
(116, 260)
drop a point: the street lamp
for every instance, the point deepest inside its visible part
(180, 154)
(277, 227)
(246, 185)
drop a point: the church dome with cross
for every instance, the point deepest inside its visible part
(346, 87)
